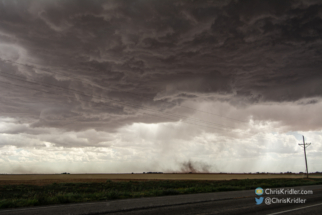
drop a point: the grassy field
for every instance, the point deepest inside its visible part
(58, 178)
(23, 195)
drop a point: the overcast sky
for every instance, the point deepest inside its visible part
(150, 85)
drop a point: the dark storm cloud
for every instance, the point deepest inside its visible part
(122, 56)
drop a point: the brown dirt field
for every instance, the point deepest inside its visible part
(81, 178)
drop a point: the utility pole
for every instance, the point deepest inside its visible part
(305, 145)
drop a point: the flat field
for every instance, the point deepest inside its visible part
(42, 179)
(25, 195)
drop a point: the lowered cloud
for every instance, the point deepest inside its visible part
(150, 78)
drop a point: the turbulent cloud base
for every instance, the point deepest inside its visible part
(119, 86)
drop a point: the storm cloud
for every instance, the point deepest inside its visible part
(142, 77)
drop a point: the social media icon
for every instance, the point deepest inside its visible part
(259, 201)
(259, 191)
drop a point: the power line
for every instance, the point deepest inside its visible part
(25, 87)
(62, 88)
(124, 105)
(215, 114)
(305, 145)
(138, 111)
(229, 118)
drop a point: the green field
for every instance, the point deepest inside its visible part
(42, 179)
(21, 195)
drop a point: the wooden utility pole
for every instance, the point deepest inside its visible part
(305, 145)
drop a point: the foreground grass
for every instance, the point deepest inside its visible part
(13, 196)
